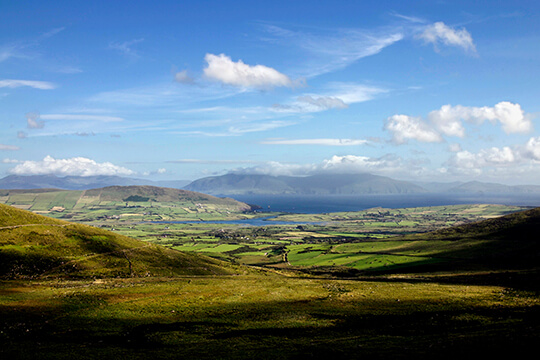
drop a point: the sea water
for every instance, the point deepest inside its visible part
(311, 204)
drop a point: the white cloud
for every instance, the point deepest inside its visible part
(323, 142)
(498, 157)
(78, 166)
(10, 161)
(405, 127)
(33, 122)
(8, 147)
(470, 163)
(448, 120)
(531, 150)
(22, 135)
(513, 119)
(221, 68)
(441, 33)
(42, 85)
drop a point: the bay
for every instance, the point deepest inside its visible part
(316, 204)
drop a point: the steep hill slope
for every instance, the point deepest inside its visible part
(33, 245)
(507, 242)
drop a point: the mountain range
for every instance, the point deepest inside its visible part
(247, 184)
(324, 184)
(80, 182)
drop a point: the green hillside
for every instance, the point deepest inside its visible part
(507, 242)
(149, 203)
(32, 245)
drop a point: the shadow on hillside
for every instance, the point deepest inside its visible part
(318, 328)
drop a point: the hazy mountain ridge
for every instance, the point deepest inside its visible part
(79, 182)
(480, 187)
(249, 184)
(345, 184)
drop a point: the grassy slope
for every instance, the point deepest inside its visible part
(45, 199)
(507, 242)
(34, 245)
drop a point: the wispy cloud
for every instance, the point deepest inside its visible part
(439, 32)
(126, 47)
(336, 95)
(333, 49)
(322, 142)
(183, 77)
(259, 126)
(12, 83)
(33, 122)
(207, 161)
(8, 147)
(52, 32)
(81, 117)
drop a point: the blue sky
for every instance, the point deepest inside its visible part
(415, 90)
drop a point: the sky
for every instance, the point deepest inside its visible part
(179, 90)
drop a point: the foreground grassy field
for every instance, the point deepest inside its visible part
(269, 316)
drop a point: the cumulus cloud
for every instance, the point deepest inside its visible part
(182, 77)
(405, 127)
(8, 147)
(33, 122)
(42, 85)
(474, 163)
(507, 156)
(449, 118)
(9, 161)
(531, 150)
(323, 142)
(439, 32)
(221, 68)
(77, 166)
